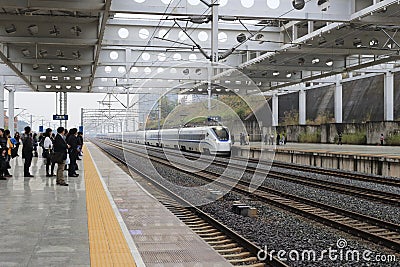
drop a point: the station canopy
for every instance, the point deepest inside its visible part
(114, 45)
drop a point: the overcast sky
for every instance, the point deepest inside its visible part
(43, 105)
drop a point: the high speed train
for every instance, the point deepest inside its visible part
(214, 140)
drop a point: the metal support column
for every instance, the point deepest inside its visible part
(65, 108)
(339, 99)
(302, 107)
(214, 47)
(275, 110)
(11, 125)
(2, 84)
(389, 96)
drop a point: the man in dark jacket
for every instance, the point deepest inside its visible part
(27, 148)
(60, 148)
(72, 141)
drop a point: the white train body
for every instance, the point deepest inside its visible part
(209, 139)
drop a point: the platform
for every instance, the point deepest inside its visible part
(103, 218)
(379, 160)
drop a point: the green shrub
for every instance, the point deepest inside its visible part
(310, 137)
(393, 140)
(354, 139)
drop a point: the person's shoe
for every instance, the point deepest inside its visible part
(52, 175)
(73, 175)
(3, 178)
(78, 159)
(29, 175)
(62, 184)
(8, 175)
(48, 175)
(77, 174)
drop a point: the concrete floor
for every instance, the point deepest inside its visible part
(42, 224)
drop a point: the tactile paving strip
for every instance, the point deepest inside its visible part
(107, 243)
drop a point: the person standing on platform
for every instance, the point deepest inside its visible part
(72, 141)
(340, 137)
(47, 151)
(80, 144)
(10, 147)
(278, 139)
(17, 138)
(27, 148)
(60, 155)
(35, 145)
(382, 139)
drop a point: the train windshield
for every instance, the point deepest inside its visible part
(221, 133)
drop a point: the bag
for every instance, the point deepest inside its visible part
(14, 152)
(67, 161)
(57, 157)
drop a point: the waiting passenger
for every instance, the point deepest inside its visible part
(60, 155)
(47, 152)
(278, 139)
(3, 163)
(382, 139)
(35, 144)
(72, 141)
(10, 146)
(17, 138)
(340, 137)
(27, 148)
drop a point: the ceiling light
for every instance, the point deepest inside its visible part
(357, 42)
(241, 37)
(50, 67)
(321, 2)
(26, 52)
(43, 53)
(42, 77)
(35, 66)
(48, 86)
(185, 71)
(301, 61)
(78, 78)
(289, 75)
(76, 54)
(276, 73)
(54, 31)
(77, 68)
(329, 62)
(67, 78)
(58, 86)
(76, 30)
(54, 78)
(298, 4)
(63, 68)
(33, 29)
(315, 60)
(218, 89)
(78, 87)
(373, 42)
(11, 29)
(68, 86)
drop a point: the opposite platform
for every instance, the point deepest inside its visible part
(378, 160)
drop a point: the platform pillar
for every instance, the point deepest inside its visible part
(275, 110)
(339, 99)
(2, 88)
(11, 111)
(389, 96)
(302, 107)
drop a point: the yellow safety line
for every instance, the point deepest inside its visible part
(107, 243)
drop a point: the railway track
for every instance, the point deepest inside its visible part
(234, 248)
(369, 228)
(335, 173)
(351, 190)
